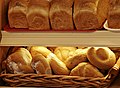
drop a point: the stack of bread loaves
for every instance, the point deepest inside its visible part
(57, 14)
(84, 62)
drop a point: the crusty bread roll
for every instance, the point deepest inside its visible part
(37, 15)
(39, 50)
(3, 54)
(90, 14)
(17, 13)
(114, 14)
(19, 62)
(64, 52)
(58, 67)
(85, 69)
(80, 55)
(101, 57)
(41, 65)
(61, 15)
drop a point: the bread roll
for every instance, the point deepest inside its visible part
(101, 57)
(80, 55)
(51, 49)
(90, 14)
(3, 55)
(19, 62)
(114, 14)
(39, 50)
(61, 15)
(41, 65)
(58, 67)
(116, 49)
(17, 13)
(64, 52)
(37, 15)
(85, 69)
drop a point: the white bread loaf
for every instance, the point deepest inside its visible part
(17, 13)
(19, 62)
(85, 69)
(114, 14)
(101, 57)
(37, 15)
(90, 14)
(61, 15)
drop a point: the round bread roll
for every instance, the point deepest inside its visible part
(19, 62)
(39, 50)
(64, 52)
(101, 57)
(85, 69)
(58, 67)
(80, 55)
(41, 65)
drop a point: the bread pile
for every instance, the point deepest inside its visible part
(57, 14)
(73, 61)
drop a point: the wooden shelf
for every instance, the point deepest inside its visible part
(98, 38)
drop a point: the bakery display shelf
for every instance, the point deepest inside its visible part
(97, 38)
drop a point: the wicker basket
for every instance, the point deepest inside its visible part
(38, 80)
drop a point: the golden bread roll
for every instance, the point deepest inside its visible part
(39, 50)
(17, 13)
(19, 62)
(114, 14)
(80, 55)
(37, 15)
(58, 67)
(90, 14)
(64, 52)
(85, 69)
(61, 15)
(101, 57)
(41, 65)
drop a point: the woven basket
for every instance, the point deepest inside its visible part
(38, 80)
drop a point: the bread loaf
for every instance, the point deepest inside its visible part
(41, 65)
(90, 14)
(19, 62)
(61, 15)
(101, 57)
(64, 52)
(80, 55)
(37, 15)
(114, 14)
(85, 69)
(58, 67)
(17, 13)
